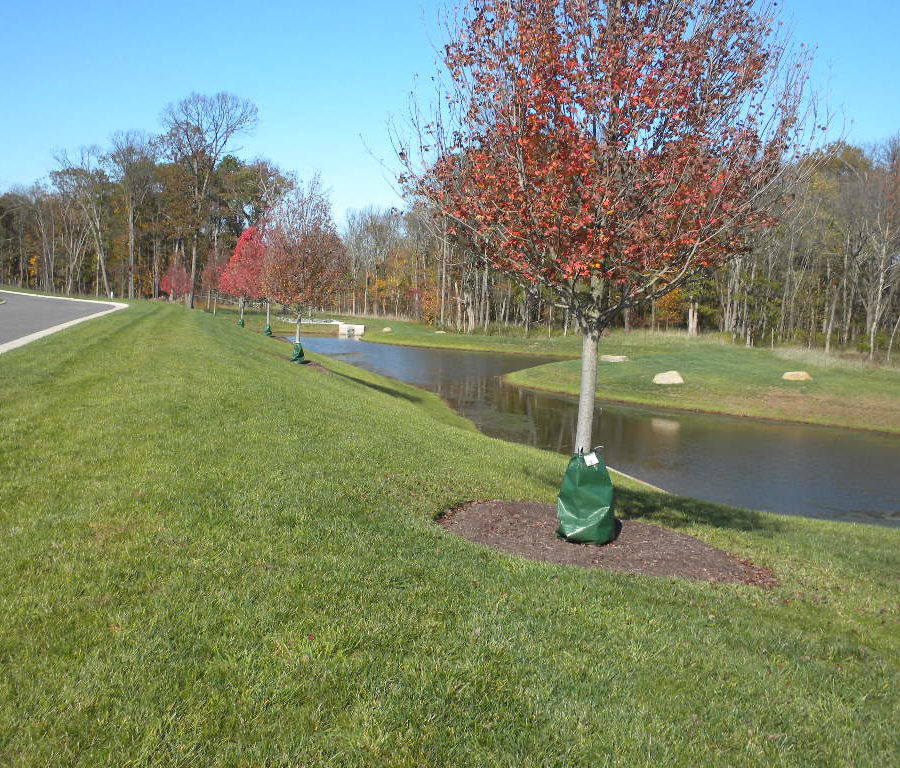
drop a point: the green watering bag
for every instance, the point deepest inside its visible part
(267, 331)
(585, 502)
(298, 356)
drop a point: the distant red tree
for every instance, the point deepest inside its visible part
(242, 275)
(306, 260)
(211, 275)
(176, 281)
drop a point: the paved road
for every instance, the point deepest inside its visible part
(22, 315)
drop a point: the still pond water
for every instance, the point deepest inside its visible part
(791, 469)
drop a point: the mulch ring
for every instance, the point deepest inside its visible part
(528, 529)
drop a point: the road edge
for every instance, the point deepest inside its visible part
(23, 340)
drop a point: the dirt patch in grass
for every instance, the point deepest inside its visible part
(528, 529)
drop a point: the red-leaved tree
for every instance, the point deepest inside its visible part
(306, 262)
(176, 281)
(242, 275)
(211, 275)
(609, 150)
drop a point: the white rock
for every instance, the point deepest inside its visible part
(386, 330)
(440, 331)
(668, 377)
(796, 376)
(614, 358)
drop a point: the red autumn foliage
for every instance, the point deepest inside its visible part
(176, 281)
(306, 260)
(212, 274)
(242, 275)
(610, 150)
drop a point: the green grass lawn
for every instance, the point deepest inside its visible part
(720, 377)
(214, 557)
(724, 378)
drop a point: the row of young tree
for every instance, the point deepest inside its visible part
(154, 214)
(293, 256)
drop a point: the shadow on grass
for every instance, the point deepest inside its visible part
(679, 511)
(378, 387)
(370, 384)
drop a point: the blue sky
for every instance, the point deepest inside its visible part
(327, 77)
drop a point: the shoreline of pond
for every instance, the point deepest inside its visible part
(674, 409)
(655, 404)
(676, 448)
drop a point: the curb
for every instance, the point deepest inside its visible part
(22, 341)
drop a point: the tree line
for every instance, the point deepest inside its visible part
(143, 211)
(826, 275)
(160, 214)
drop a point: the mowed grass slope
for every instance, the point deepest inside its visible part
(213, 557)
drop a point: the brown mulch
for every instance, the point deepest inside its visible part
(528, 529)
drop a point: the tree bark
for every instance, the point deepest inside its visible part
(891, 341)
(130, 214)
(587, 394)
(830, 326)
(693, 324)
(189, 296)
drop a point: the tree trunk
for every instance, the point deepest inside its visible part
(130, 213)
(587, 394)
(693, 324)
(366, 294)
(830, 326)
(155, 266)
(189, 296)
(486, 300)
(891, 341)
(872, 332)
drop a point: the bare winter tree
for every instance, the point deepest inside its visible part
(198, 131)
(85, 181)
(133, 159)
(370, 235)
(879, 264)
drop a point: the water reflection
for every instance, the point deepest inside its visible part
(791, 469)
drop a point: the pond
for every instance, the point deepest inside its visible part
(822, 472)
